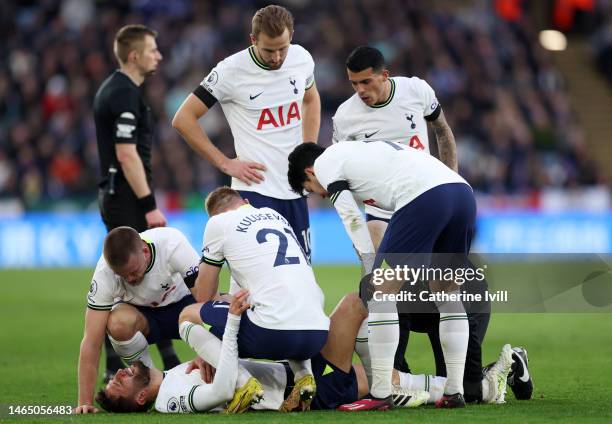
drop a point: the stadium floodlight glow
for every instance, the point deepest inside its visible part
(553, 40)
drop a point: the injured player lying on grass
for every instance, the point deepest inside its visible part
(241, 384)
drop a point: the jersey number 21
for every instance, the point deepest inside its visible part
(281, 255)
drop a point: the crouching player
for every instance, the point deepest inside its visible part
(151, 273)
(286, 319)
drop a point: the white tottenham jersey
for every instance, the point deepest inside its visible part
(187, 393)
(172, 260)
(402, 119)
(180, 392)
(264, 110)
(381, 173)
(264, 257)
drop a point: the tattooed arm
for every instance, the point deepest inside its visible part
(447, 148)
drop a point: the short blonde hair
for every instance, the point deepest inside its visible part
(272, 21)
(128, 39)
(219, 199)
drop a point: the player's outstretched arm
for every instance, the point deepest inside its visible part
(355, 226)
(185, 121)
(227, 371)
(207, 397)
(447, 147)
(89, 357)
(311, 112)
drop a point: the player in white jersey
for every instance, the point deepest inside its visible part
(286, 320)
(434, 212)
(398, 109)
(269, 97)
(401, 109)
(237, 384)
(140, 285)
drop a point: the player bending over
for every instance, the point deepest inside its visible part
(433, 212)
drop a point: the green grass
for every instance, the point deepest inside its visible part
(41, 316)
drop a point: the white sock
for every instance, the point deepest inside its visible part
(135, 349)
(208, 347)
(300, 368)
(454, 333)
(363, 350)
(382, 342)
(430, 383)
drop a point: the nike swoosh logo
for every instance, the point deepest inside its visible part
(525, 377)
(371, 134)
(255, 96)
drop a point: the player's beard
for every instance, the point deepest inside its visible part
(143, 374)
(137, 282)
(275, 67)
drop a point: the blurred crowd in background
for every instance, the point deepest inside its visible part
(502, 96)
(602, 37)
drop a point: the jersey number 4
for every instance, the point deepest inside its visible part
(281, 255)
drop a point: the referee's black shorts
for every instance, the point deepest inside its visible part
(121, 208)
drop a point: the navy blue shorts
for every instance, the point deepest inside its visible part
(441, 220)
(163, 320)
(334, 386)
(262, 343)
(295, 211)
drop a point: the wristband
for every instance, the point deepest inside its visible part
(147, 203)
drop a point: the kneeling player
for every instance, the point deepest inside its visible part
(287, 320)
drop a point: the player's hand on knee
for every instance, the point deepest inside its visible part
(207, 371)
(85, 409)
(239, 303)
(246, 172)
(155, 218)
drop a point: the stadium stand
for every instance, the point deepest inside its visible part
(503, 97)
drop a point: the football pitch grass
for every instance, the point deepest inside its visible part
(41, 316)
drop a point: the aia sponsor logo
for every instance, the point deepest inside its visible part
(415, 143)
(278, 117)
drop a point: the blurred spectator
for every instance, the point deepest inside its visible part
(505, 101)
(602, 37)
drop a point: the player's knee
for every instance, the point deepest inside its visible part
(354, 305)
(191, 313)
(121, 326)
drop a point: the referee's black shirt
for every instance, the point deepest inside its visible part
(121, 116)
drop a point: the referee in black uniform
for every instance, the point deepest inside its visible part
(124, 129)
